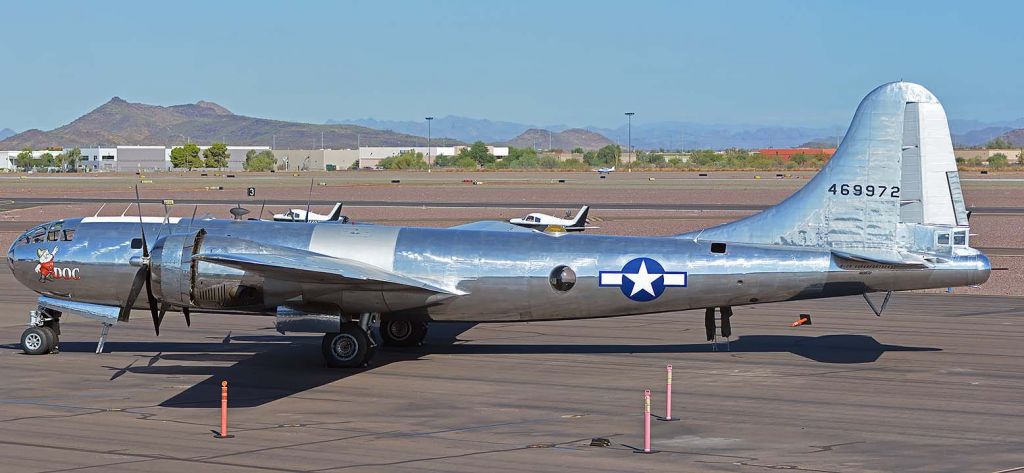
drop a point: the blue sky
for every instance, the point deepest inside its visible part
(542, 62)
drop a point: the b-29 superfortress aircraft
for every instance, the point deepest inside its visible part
(884, 214)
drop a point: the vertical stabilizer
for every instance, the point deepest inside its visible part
(894, 167)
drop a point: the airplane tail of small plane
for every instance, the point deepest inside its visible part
(581, 218)
(335, 214)
(891, 187)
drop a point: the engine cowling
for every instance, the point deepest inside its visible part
(182, 282)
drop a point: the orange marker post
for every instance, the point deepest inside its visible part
(223, 412)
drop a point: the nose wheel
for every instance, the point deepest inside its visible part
(39, 340)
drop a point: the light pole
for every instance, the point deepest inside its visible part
(429, 119)
(629, 136)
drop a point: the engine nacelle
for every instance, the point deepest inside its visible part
(180, 281)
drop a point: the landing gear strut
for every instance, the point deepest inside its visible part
(43, 333)
(353, 345)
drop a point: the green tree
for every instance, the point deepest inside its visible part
(478, 152)
(443, 161)
(407, 160)
(186, 157)
(45, 160)
(72, 157)
(577, 150)
(998, 161)
(999, 143)
(216, 156)
(464, 162)
(607, 156)
(24, 159)
(261, 161)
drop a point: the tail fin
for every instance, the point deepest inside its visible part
(335, 214)
(892, 183)
(581, 218)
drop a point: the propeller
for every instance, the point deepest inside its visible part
(144, 277)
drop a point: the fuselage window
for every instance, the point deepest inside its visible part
(942, 239)
(69, 234)
(960, 238)
(136, 243)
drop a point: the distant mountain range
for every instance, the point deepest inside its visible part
(667, 135)
(1015, 137)
(671, 134)
(566, 140)
(119, 122)
(461, 128)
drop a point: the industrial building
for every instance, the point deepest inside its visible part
(370, 157)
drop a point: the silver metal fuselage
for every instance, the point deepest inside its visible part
(500, 276)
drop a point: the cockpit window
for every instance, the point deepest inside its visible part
(38, 234)
(52, 235)
(69, 234)
(942, 239)
(960, 238)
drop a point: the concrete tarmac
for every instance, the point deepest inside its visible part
(932, 385)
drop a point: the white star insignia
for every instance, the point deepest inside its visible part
(642, 280)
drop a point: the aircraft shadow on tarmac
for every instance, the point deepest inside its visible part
(268, 368)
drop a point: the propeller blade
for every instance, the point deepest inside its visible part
(142, 228)
(188, 320)
(158, 317)
(140, 280)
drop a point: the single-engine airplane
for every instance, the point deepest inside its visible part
(300, 215)
(884, 214)
(605, 170)
(548, 223)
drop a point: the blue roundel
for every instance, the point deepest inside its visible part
(642, 279)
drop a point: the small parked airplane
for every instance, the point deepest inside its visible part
(299, 215)
(548, 223)
(885, 214)
(605, 170)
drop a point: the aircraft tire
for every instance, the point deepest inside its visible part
(403, 333)
(37, 340)
(349, 348)
(54, 338)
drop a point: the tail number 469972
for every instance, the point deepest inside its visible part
(867, 190)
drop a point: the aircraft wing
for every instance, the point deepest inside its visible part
(304, 266)
(491, 226)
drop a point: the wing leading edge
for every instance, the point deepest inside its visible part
(305, 266)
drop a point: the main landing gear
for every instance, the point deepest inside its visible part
(43, 333)
(354, 344)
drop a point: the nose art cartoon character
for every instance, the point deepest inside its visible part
(45, 266)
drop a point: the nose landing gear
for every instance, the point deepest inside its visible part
(43, 333)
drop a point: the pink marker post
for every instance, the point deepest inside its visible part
(647, 424)
(668, 395)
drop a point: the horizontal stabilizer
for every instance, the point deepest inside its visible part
(881, 256)
(305, 266)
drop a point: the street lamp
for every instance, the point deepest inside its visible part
(629, 136)
(429, 119)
